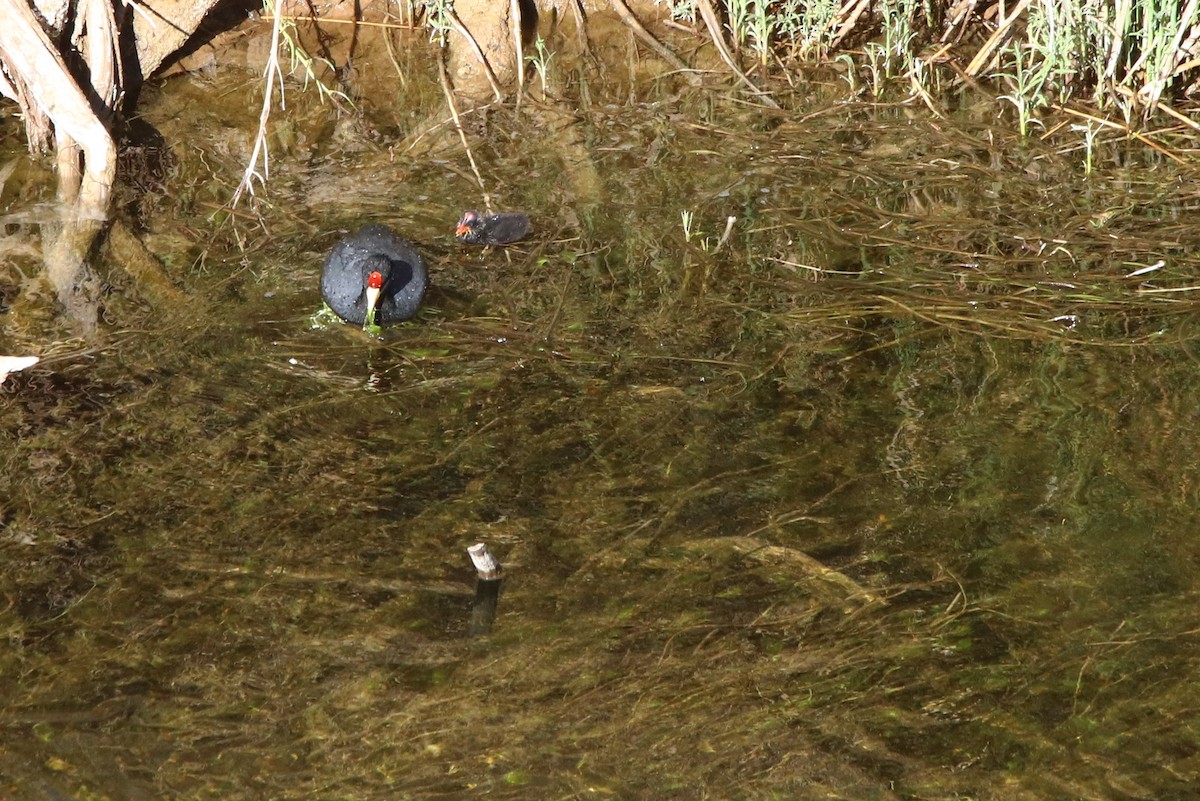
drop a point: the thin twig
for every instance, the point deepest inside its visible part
(1140, 137)
(391, 49)
(487, 198)
(996, 39)
(709, 15)
(516, 24)
(335, 21)
(1159, 105)
(849, 20)
(271, 73)
(581, 26)
(487, 68)
(631, 21)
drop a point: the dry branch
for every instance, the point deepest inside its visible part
(631, 21)
(996, 39)
(34, 64)
(709, 15)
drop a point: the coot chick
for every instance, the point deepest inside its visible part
(374, 278)
(494, 229)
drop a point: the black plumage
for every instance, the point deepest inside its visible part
(374, 255)
(492, 229)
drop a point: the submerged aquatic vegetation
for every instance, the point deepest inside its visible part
(884, 491)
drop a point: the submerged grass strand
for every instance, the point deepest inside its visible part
(918, 371)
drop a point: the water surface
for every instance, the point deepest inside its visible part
(889, 494)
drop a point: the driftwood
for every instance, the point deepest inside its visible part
(77, 108)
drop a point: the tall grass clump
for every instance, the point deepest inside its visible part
(806, 28)
(1128, 53)
(1026, 81)
(899, 33)
(438, 20)
(1124, 53)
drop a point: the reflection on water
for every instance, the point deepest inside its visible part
(889, 495)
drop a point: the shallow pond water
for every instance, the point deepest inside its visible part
(888, 493)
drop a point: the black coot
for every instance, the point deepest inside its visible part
(374, 269)
(494, 229)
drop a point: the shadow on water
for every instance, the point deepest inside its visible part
(889, 494)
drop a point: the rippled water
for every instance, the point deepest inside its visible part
(889, 494)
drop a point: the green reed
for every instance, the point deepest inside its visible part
(1126, 54)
